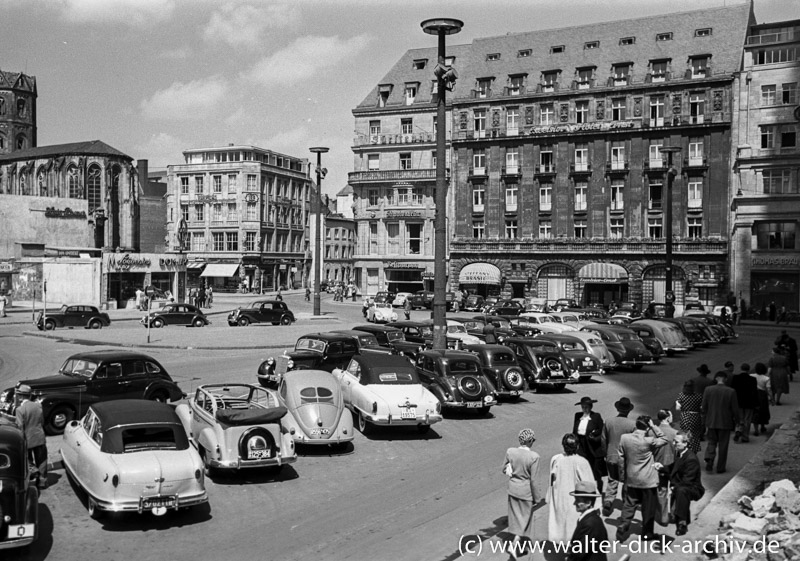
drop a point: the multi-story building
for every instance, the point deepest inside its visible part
(765, 256)
(560, 187)
(247, 212)
(340, 243)
(395, 175)
(17, 111)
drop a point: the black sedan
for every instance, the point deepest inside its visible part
(508, 308)
(88, 317)
(275, 312)
(176, 314)
(457, 379)
(544, 365)
(501, 367)
(18, 493)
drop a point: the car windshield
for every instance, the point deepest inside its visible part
(463, 366)
(368, 341)
(456, 328)
(395, 336)
(472, 325)
(63, 309)
(503, 358)
(79, 367)
(310, 344)
(573, 346)
(628, 336)
(316, 395)
(426, 331)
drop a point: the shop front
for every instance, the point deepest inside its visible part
(404, 277)
(125, 273)
(556, 281)
(482, 279)
(603, 283)
(775, 278)
(654, 285)
(222, 277)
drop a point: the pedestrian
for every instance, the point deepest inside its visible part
(3, 304)
(193, 296)
(209, 296)
(588, 427)
(407, 308)
(773, 311)
(746, 389)
(31, 420)
(365, 306)
(720, 408)
(201, 297)
(701, 382)
(308, 294)
(764, 385)
(641, 478)
(790, 351)
(781, 316)
(664, 457)
(139, 299)
(686, 483)
(522, 468)
(590, 528)
(279, 296)
(689, 405)
(729, 372)
(566, 470)
(778, 372)
(489, 333)
(354, 292)
(613, 429)
(742, 312)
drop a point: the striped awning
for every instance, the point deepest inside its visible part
(603, 272)
(479, 273)
(225, 270)
(195, 265)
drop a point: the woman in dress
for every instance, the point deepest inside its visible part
(778, 374)
(761, 418)
(565, 471)
(522, 468)
(688, 403)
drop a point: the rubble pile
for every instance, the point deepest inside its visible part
(766, 528)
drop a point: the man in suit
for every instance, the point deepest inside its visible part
(590, 531)
(641, 478)
(664, 457)
(588, 427)
(701, 382)
(746, 389)
(686, 484)
(720, 409)
(612, 430)
(31, 420)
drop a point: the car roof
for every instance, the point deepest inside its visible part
(307, 376)
(373, 328)
(409, 323)
(112, 354)
(327, 336)
(449, 353)
(120, 412)
(555, 336)
(378, 360)
(483, 347)
(268, 302)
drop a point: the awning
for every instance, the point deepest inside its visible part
(195, 265)
(220, 270)
(603, 272)
(479, 273)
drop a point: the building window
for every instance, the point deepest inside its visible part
(767, 137)
(393, 238)
(768, 94)
(250, 241)
(581, 189)
(695, 193)
(404, 196)
(479, 161)
(581, 157)
(546, 197)
(658, 70)
(789, 93)
(231, 183)
(617, 228)
(704, 32)
(199, 213)
(694, 226)
(478, 197)
(617, 195)
(478, 229)
(374, 130)
(697, 107)
(373, 238)
(776, 235)
(512, 121)
(699, 66)
(184, 185)
(549, 81)
(585, 78)
(778, 181)
(618, 154)
(579, 227)
(512, 160)
(198, 185)
(621, 73)
(405, 160)
(524, 53)
(591, 45)
(252, 211)
(655, 197)
(410, 93)
(185, 212)
(484, 87)
(217, 183)
(198, 241)
(655, 227)
(788, 136)
(420, 64)
(480, 123)
(515, 84)
(373, 197)
(618, 109)
(406, 126)
(252, 182)
(511, 229)
(547, 114)
(219, 241)
(216, 215)
(232, 215)
(546, 160)
(545, 229)
(556, 49)
(493, 56)
(232, 241)
(664, 36)
(695, 151)
(373, 162)
(93, 184)
(657, 111)
(511, 197)
(581, 111)
(656, 159)
(627, 41)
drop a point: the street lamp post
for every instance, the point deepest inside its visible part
(319, 151)
(183, 234)
(444, 79)
(671, 173)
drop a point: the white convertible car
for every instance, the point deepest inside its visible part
(133, 455)
(381, 312)
(385, 390)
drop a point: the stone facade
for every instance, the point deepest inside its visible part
(17, 111)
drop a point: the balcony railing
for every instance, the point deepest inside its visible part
(580, 167)
(588, 246)
(392, 175)
(695, 162)
(695, 203)
(655, 163)
(778, 37)
(511, 170)
(617, 165)
(545, 169)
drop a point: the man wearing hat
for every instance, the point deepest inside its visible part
(590, 531)
(588, 427)
(31, 420)
(746, 389)
(685, 480)
(701, 382)
(612, 430)
(720, 408)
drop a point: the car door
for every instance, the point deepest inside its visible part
(202, 413)
(133, 381)
(349, 381)
(105, 384)
(73, 316)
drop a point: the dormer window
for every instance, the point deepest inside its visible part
(664, 36)
(484, 87)
(515, 84)
(493, 56)
(549, 80)
(699, 66)
(704, 32)
(524, 53)
(556, 49)
(622, 74)
(584, 76)
(411, 92)
(383, 94)
(658, 70)
(591, 45)
(627, 41)
(420, 64)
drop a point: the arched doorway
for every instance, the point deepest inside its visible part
(603, 283)
(654, 285)
(480, 278)
(555, 281)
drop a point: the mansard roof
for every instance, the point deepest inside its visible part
(87, 148)
(17, 81)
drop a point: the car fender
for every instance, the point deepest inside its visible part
(173, 390)
(208, 440)
(185, 415)
(438, 391)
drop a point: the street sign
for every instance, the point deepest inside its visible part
(669, 297)
(150, 291)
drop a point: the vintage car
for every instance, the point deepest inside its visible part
(563, 303)
(589, 312)
(543, 364)
(546, 323)
(176, 314)
(456, 378)
(628, 350)
(476, 326)
(596, 346)
(237, 426)
(275, 312)
(501, 367)
(523, 327)
(19, 497)
(385, 390)
(488, 304)
(576, 353)
(722, 329)
(696, 331)
(381, 312)
(131, 455)
(570, 318)
(384, 297)
(421, 334)
(650, 339)
(88, 317)
(473, 303)
(391, 338)
(628, 314)
(400, 299)
(422, 299)
(316, 408)
(508, 308)
(91, 377)
(457, 330)
(670, 337)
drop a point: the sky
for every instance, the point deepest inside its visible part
(155, 77)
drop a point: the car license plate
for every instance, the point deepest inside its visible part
(474, 404)
(259, 454)
(156, 502)
(587, 361)
(515, 392)
(16, 531)
(320, 431)
(408, 413)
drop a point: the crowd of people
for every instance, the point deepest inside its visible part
(201, 296)
(653, 462)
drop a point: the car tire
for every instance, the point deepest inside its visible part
(198, 322)
(157, 323)
(243, 322)
(364, 426)
(513, 379)
(423, 429)
(49, 325)
(58, 419)
(95, 324)
(286, 320)
(95, 513)
(159, 395)
(209, 471)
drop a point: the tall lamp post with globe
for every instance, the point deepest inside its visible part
(321, 172)
(445, 78)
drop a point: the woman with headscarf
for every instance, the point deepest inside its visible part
(522, 468)
(761, 418)
(566, 470)
(688, 403)
(588, 427)
(778, 373)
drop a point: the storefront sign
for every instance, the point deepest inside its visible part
(775, 261)
(206, 198)
(170, 262)
(52, 212)
(403, 213)
(400, 265)
(427, 275)
(128, 262)
(583, 127)
(6, 267)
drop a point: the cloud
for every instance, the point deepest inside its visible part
(162, 149)
(305, 58)
(243, 25)
(192, 100)
(130, 12)
(179, 53)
